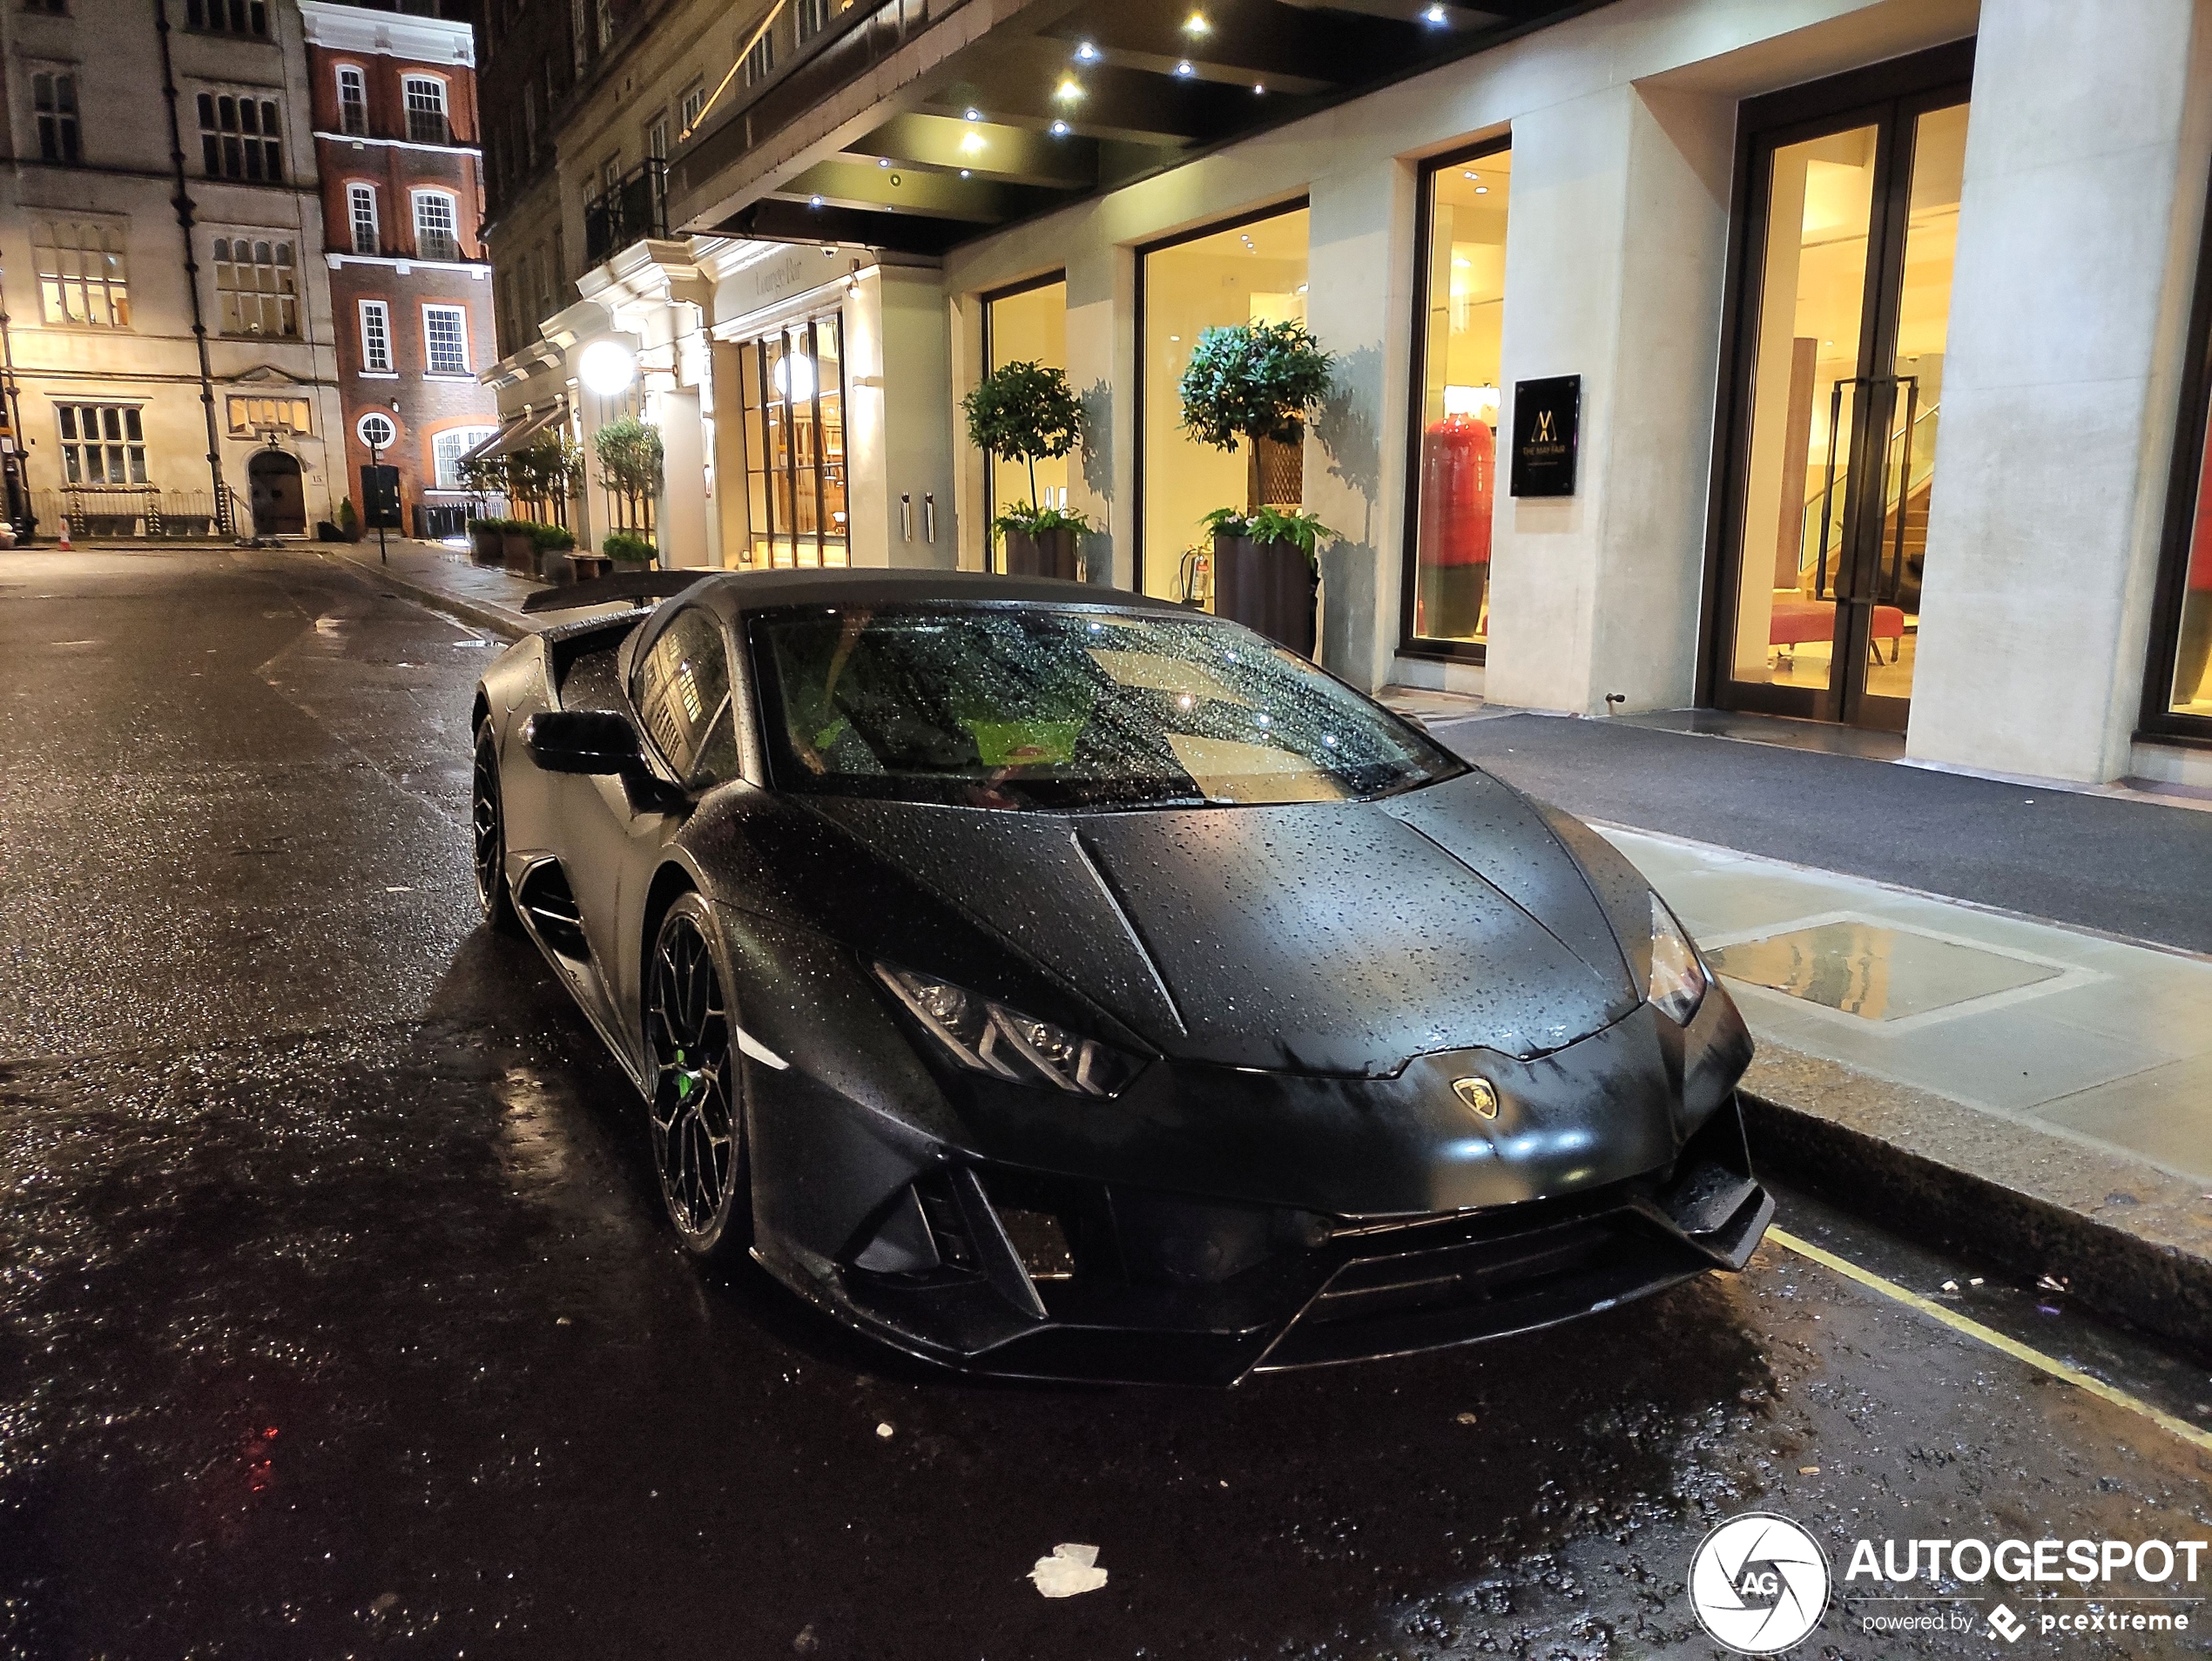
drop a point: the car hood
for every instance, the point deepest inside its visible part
(1326, 937)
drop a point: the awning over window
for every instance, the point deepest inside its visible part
(518, 432)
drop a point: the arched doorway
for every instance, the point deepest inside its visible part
(280, 496)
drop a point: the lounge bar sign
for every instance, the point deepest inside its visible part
(1545, 416)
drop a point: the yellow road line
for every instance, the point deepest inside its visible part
(2011, 1346)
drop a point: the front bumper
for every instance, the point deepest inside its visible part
(994, 1269)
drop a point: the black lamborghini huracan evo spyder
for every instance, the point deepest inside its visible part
(1049, 981)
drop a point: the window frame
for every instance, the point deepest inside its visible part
(471, 435)
(276, 264)
(1303, 202)
(344, 106)
(207, 106)
(430, 351)
(408, 82)
(987, 300)
(417, 195)
(1409, 644)
(357, 192)
(382, 309)
(67, 124)
(689, 111)
(304, 428)
(2157, 720)
(109, 287)
(362, 421)
(73, 448)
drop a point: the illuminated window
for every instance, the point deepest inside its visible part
(449, 447)
(81, 275)
(256, 286)
(433, 226)
(251, 416)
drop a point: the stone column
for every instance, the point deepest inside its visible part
(679, 517)
(2087, 152)
(1615, 245)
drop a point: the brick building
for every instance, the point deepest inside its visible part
(397, 138)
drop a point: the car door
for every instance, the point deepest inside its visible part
(678, 697)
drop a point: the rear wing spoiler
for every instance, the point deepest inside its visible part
(623, 588)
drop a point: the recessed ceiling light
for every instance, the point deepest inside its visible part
(883, 161)
(964, 172)
(1184, 68)
(1259, 87)
(1059, 129)
(1069, 89)
(1436, 14)
(1470, 175)
(1481, 190)
(971, 114)
(814, 201)
(1087, 52)
(1196, 23)
(970, 142)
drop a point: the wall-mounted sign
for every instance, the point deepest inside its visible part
(1546, 416)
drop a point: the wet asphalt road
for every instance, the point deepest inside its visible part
(336, 1317)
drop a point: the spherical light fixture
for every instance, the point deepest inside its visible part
(794, 378)
(607, 368)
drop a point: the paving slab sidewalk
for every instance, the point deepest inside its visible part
(448, 580)
(2034, 1093)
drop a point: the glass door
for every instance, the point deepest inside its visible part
(1838, 398)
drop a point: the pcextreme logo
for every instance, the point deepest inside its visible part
(1759, 1583)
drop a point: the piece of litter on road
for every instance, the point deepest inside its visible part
(884, 1431)
(1070, 1570)
(1463, 1418)
(1808, 1470)
(1950, 1286)
(562, 1320)
(395, 889)
(1975, 1281)
(2051, 1283)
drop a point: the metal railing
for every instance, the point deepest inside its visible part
(630, 210)
(137, 511)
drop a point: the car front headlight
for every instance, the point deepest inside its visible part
(1678, 976)
(988, 1037)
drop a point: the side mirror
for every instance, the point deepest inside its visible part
(582, 740)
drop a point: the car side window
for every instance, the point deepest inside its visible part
(681, 691)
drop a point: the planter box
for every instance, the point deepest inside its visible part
(1267, 586)
(519, 550)
(583, 567)
(1051, 554)
(484, 547)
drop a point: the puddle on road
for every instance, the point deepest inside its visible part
(1875, 973)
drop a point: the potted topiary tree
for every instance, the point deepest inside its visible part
(1255, 384)
(625, 551)
(484, 475)
(554, 544)
(1018, 413)
(1267, 571)
(630, 460)
(518, 546)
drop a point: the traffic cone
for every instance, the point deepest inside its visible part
(63, 543)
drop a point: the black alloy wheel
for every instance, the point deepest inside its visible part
(488, 837)
(697, 1130)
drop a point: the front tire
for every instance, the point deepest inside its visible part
(695, 1118)
(488, 837)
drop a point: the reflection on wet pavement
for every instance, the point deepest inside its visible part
(1877, 973)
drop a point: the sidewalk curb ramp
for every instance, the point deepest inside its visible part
(2158, 1287)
